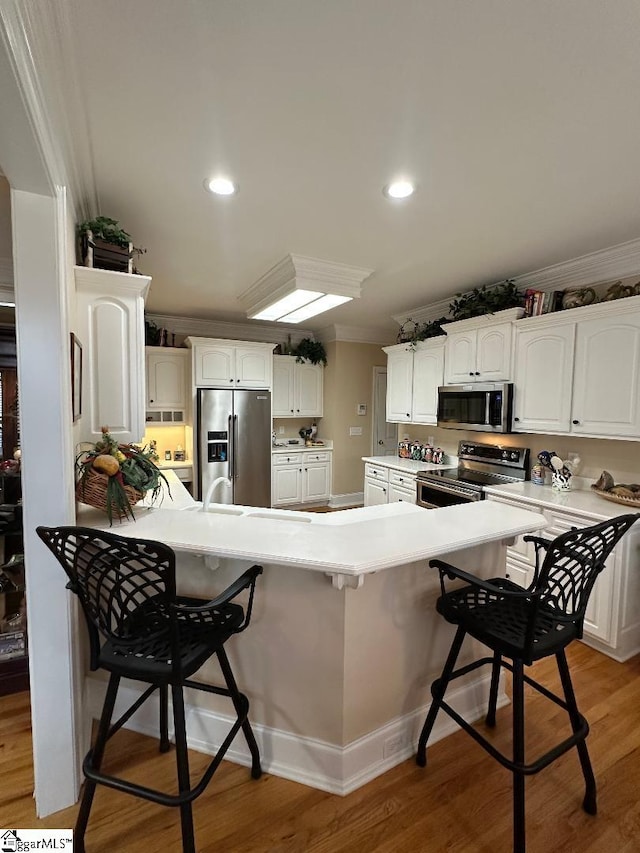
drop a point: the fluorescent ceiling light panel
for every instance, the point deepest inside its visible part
(286, 305)
(325, 303)
(300, 287)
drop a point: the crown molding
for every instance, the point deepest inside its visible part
(6, 273)
(356, 334)
(598, 267)
(38, 34)
(197, 327)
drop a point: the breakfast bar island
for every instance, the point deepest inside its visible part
(344, 639)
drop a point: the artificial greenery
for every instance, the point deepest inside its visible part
(486, 300)
(310, 350)
(421, 331)
(106, 229)
(132, 466)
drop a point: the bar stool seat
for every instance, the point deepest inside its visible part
(520, 626)
(140, 629)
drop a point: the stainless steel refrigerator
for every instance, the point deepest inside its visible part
(234, 441)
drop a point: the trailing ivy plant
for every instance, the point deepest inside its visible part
(109, 230)
(310, 350)
(486, 300)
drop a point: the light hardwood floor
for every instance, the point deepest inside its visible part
(460, 802)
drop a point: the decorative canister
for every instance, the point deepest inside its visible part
(561, 482)
(537, 475)
(438, 456)
(428, 453)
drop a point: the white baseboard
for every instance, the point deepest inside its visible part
(336, 769)
(343, 501)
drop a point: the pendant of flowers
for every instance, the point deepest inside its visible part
(114, 477)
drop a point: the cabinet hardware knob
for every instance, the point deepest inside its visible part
(575, 422)
(477, 373)
(471, 373)
(516, 419)
(231, 380)
(297, 410)
(291, 409)
(408, 415)
(384, 490)
(151, 401)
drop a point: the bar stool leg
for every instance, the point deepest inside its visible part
(438, 689)
(96, 761)
(490, 719)
(589, 804)
(518, 757)
(182, 760)
(165, 745)
(225, 666)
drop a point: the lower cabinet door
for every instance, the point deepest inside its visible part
(315, 481)
(287, 484)
(397, 493)
(375, 493)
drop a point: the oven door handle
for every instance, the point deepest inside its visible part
(471, 494)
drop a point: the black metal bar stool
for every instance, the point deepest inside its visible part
(140, 629)
(523, 626)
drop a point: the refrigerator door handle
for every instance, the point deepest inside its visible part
(232, 448)
(234, 466)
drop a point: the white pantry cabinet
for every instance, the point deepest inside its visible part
(612, 621)
(303, 476)
(167, 373)
(578, 372)
(479, 352)
(297, 388)
(413, 377)
(231, 364)
(110, 328)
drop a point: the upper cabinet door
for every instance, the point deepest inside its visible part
(283, 386)
(310, 380)
(166, 379)
(460, 361)
(606, 391)
(543, 378)
(215, 366)
(399, 385)
(493, 353)
(428, 373)
(253, 367)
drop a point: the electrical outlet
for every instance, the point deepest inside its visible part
(355, 430)
(281, 430)
(393, 744)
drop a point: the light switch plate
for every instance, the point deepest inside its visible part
(362, 409)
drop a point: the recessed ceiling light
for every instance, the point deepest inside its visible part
(221, 186)
(399, 189)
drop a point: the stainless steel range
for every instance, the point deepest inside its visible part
(479, 465)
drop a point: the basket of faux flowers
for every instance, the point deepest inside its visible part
(114, 477)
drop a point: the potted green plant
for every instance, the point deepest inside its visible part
(104, 244)
(310, 350)
(486, 300)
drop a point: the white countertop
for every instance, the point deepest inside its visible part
(409, 466)
(168, 465)
(582, 502)
(296, 448)
(351, 542)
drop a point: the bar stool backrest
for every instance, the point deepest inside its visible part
(572, 564)
(116, 577)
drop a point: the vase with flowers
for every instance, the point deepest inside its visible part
(114, 477)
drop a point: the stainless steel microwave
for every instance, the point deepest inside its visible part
(481, 406)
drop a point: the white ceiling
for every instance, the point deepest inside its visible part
(518, 120)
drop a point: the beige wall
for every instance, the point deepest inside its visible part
(620, 458)
(348, 381)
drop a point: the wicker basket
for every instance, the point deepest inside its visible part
(616, 499)
(92, 490)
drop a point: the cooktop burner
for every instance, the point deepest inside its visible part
(483, 465)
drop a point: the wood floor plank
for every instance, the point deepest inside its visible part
(459, 803)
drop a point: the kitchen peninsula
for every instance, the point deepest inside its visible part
(345, 639)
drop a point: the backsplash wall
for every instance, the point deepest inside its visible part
(620, 458)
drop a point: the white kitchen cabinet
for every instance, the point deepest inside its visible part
(413, 377)
(612, 623)
(478, 354)
(231, 364)
(110, 328)
(166, 372)
(297, 388)
(385, 485)
(578, 372)
(301, 477)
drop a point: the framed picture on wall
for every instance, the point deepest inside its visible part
(76, 377)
